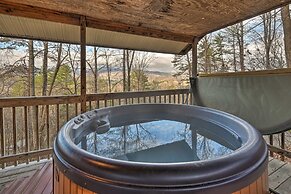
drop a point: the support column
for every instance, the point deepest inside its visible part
(83, 62)
(194, 58)
(194, 71)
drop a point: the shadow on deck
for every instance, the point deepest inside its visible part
(36, 178)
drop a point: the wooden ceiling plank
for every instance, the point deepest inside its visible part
(74, 19)
(246, 18)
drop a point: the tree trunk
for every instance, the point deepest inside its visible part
(35, 140)
(234, 52)
(285, 13)
(31, 68)
(129, 67)
(44, 68)
(44, 92)
(124, 71)
(57, 68)
(241, 46)
(269, 22)
(108, 67)
(96, 70)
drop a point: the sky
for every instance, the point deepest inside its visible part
(162, 63)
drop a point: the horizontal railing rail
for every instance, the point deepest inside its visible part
(28, 125)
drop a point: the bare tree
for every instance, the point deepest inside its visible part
(129, 63)
(59, 60)
(143, 60)
(44, 68)
(286, 18)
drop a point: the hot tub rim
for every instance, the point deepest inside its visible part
(256, 166)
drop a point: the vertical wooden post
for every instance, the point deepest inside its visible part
(282, 144)
(2, 133)
(271, 143)
(83, 63)
(194, 70)
(194, 58)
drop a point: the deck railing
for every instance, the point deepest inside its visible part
(28, 125)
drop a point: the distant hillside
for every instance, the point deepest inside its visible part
(119, 70)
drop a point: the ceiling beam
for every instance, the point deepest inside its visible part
(74, 19)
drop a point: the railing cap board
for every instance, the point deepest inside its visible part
(51, 100)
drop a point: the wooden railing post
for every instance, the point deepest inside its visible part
(83, 63)
(271, 143)
(194, 67)
(282, 144)
(2, 135)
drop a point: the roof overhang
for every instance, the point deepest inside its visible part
(167, 26)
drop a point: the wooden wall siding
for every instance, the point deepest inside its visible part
(169, 19)
(63, 185)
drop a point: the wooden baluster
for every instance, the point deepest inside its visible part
(90, 105)
(174, 98)
(105, 103)
(179, 100)
(67, 112)
(37, 130)
(112, 102)
(165, 99)
(58, 116)
(14, 133)
(170, 98)
(2, 136)
(144, 99)
(76, 109)
(48, 127)
(27, 148)
(282, 145)
(155, 99)
(98, 104)
(150, 99)
(160, 99)
(271, 143)
(183, 99)
(119, 101)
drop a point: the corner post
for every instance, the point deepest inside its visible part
(83, 62)
(194, 69)
(194, 58)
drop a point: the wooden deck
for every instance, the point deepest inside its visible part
(36, 178)
(279, 176)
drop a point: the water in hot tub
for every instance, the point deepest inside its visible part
(161, 141)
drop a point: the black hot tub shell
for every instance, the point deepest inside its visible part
(226, 174)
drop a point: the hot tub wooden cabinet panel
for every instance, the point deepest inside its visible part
(260, 186)
(63, 185)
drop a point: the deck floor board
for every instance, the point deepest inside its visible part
(37, 178)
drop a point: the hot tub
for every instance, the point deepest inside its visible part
(159, 148)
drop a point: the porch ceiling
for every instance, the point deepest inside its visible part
(176, 21)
